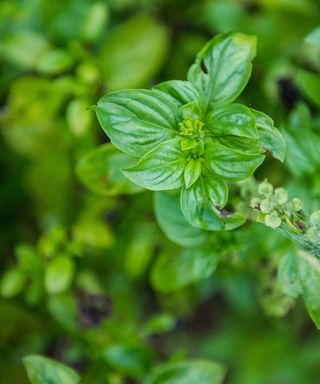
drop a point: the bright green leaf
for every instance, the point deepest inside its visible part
(137, 121)
(271, 138)
(160, 169)
(230, 164)
(192, 172)
(232, 119)
(182, 91)
(223, 67)
(59, 274)
(12, 282)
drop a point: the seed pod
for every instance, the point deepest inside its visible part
(281, 196)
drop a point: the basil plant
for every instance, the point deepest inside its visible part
(190, 136)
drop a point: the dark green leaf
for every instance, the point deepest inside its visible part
(161, 168)
(199, 202)
(223, 67)
(173, 223)
(175, 270)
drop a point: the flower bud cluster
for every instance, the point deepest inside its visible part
(271, 204)
(274, 208)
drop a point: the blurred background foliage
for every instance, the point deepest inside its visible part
(88, 276)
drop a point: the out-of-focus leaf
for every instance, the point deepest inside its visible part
(310, 84)
(59, 274)
(200, 372)
(42, 370)
(175, 270)
(100, 171)
(313, 37)
(134, 52)
(12, 282)
(174, 224)
(130, 360)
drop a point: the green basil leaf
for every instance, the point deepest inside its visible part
(223, 67)
(271, 138)
(288, 275)
(136, 121)
(172, 222)
(199, 202)
(134, 52)
(241, 144)
(100, 171)
(310, 85)
(174, 271)
(232, 119)
(41, 370)
(161, 168)
(199, 372)
(192, 172)
(313, 38)
(59, 274)
(180, 90)
(231, 165)
(309, 276)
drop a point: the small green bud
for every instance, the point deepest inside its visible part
(281, 196)
(265, 189)
(315, 218)
(255, 202)
(272, 220)
(296, 204)
(266, 206)
(313, 235)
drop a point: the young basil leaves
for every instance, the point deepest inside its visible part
(189, 136)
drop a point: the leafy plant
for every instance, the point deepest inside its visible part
(189, 135)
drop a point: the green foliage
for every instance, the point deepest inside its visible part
(199, 371)
(119, 262)
(183, 132)
(42, 370)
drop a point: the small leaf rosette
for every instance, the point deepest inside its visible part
(190, 136)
